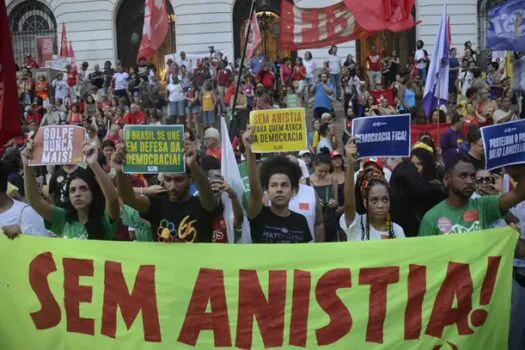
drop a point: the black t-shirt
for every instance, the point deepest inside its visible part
(97, 79)
(187, 221)
(268, 227)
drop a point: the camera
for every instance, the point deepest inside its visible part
(212, 50)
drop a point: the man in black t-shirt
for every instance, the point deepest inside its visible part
(175, 216)
(476, 152)
(280, 179)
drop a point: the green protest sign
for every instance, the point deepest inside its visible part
(154, 149)
(291, 100)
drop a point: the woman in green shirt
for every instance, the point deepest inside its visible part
(92, 209)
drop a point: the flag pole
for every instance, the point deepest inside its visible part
(241, 65)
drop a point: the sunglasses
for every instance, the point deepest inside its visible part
(485, 180)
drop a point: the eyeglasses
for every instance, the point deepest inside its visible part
(485, 180)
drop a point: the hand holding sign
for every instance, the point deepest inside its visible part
(384, 136)
(58, 145)
(190, 153)
(247, 139)
(351, 148)
(118, 159)
(91, 153)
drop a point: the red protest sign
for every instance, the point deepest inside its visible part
(58, 144)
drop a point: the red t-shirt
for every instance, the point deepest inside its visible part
(114, 138)
(266, 78)
(35, 116)
(224, 76)
(229, 94)
(374, 62)
(214, 152)
(137, 118)
(299, 73)
(72, 78)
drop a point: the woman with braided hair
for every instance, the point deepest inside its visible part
(376, 222)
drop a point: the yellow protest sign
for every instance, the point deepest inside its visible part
(278, 130)
(440, 292)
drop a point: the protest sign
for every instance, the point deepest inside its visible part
(278, 130)
(58, 144)
(504, 144)
(291, 100)
(441, 292)
(384, 136)
(154, 149)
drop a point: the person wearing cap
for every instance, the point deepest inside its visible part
(212, 139)
(306, 156)
(375, 163)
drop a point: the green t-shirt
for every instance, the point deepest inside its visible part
(478, 214)
(74, 229)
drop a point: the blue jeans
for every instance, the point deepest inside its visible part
(423, 75)
(208, 117)
(335, 79)
(177, 108)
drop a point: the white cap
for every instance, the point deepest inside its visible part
(302, 153)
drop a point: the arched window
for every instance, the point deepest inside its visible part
(29, 20)
(484, 6)
(130, 22)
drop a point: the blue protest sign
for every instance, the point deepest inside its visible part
(384, 136)
(507, 27)
(504, 144)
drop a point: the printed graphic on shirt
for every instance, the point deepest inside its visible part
(282, 235)
(185, 232)
(446, 227)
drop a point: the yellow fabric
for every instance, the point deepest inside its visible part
(12, 190)
(207, 102)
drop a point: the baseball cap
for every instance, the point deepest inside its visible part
(335, 154)
(302, 153)
(373, 161)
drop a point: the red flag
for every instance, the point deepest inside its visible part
(378, 15)
(254, 38)
(316, 28)
(64, 51)
(10, 125)
(155, 28)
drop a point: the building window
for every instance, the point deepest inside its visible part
(29, 20)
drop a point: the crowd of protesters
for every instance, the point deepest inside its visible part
(321, 194)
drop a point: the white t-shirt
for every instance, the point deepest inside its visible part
(22, 214)
(355, 231)
(121, 80)
(310, 68)
(465, 81)
(324, 142)
(420, 54)
(304, 203)
(175, 92)
(61, 89)
(519, 212)
(334, 64)
(499, 114)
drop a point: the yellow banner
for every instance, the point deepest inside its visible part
(442, 292)
(278, 130)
